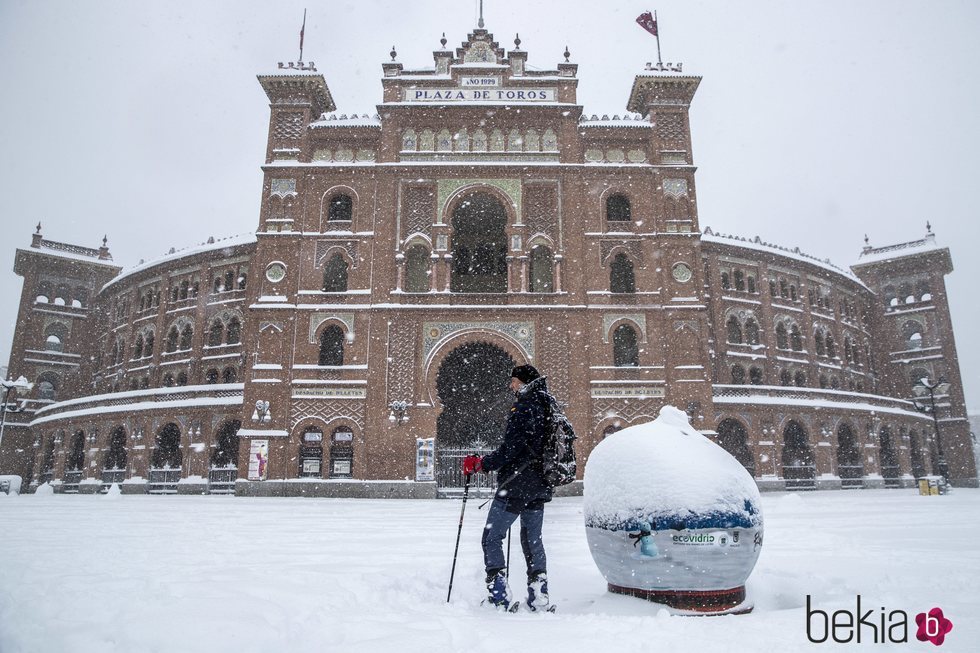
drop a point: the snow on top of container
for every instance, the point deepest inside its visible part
(669, 475)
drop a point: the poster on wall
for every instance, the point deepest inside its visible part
(425, 449)
(258, 460)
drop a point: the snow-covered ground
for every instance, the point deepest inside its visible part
(211, 574)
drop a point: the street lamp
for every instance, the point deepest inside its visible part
(399, 412)
(262, 413)
(8, 386)
(927, 387)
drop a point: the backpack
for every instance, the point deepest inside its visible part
(558, 464)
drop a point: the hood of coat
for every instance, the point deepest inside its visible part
(538, 384)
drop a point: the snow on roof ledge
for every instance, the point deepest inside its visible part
(878, 254)
(210, 245)
(759, 244)
(333, 119)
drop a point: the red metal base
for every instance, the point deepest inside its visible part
(705, 602)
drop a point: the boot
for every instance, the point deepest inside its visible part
(498, 591)
(537, 591)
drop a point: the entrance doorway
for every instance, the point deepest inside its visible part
(473, 388)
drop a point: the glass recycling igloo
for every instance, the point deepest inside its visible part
(672, 517)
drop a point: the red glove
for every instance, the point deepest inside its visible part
(472, 464)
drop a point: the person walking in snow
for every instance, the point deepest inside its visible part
(521, 491)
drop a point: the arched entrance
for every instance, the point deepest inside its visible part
(114, 463)
(479, 245)
(733, 438)
(223, 470)
(890, 469)
(472, 384)
(849, 466)
(74, 464)
(798, 467)
(166, 461)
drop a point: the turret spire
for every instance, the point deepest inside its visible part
(479, 23)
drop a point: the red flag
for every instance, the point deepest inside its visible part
(647, 22)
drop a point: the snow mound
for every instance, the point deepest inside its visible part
(44, 490)
(667, 475)
(113, 492)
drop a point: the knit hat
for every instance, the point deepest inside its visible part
(525, 373)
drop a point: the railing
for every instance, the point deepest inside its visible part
(66, 247)
(799, 477)
(70, 482)
(110, 476)
(224, 391)
(221, 480)
(449, 473)
(726, 391)
(163, 480)
(851, 476)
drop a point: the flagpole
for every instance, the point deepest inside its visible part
(660, 61)
(303, 29)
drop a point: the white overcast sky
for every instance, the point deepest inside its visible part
(816, 122)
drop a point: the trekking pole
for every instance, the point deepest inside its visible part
(508, 552)
(466, 492)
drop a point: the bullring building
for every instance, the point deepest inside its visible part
(359, 338)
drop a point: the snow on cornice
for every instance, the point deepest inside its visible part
(626, 120)
(334, 119)
(212, 244)
(879, 254)
(760, 245)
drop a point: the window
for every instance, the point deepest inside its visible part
(772, 288)
(738, 374)
(831, 347)
(785, 378)
(182, 378)
(332, 346)
(172, 337)
(148, 345)
(417, 269)
(818, 345)
(750, 284)
(739, 280)
(335, 274)
(783, 288)
(799, 379)
(53, 343)
(341, 209)
(168, 381)
(621, 277)
(211, 377)
(186, 337)
(542, 270)
(782, 341)
(138, 347)
(751, 331)
(618, 209)
(725, 281)
(796, 339)
(756, 376)
(734, 330)
(215, 333)
(230, 375)
(912, 332)
(46, 389)
(626, 351)
(234, 331)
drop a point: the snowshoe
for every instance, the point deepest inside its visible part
(537, 592)
(498, 590)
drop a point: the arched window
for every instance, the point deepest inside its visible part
(341, 208)
(912, 332)
(335, 274)
(332, 346)
(211, 377)
(229, 280)
(230, 375)
(167, 453)
(626, 350)
(739, 280)
(148, 345)
(218, 284)
(756, 376)
(186, 337)
(799, 379)
(618, 208)
(409, 141)
(818, 345)
(172, 336)
(168, 380)
(785, 378)
(848, 350)
(215, 333)
(225, 452)
(417, 269)
(115, 457)
(782, 340)
(750, 284)
(772, 288)
(725, 281)
(738, 374)
(182, 378)
(138, 347)
(75, 460)
(795, 338)
(621, 277)
(242, 280)
(792, 293)
(184, 289)
(542, 270)
(822, 380)
(751, 331)
(734, 330)
(47, 387)
(831, 347)
(234, 331)
(783, 288)
(53, 343)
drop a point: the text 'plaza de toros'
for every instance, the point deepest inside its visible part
(360, 341)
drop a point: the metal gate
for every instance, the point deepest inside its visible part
(221, 480)
(449, 474)
(163, 480)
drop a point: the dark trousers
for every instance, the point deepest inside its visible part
(499, 520)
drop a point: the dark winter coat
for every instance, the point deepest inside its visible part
(517, 460)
